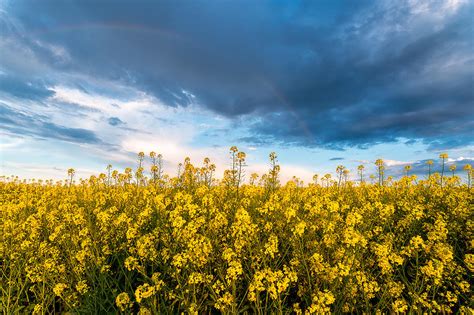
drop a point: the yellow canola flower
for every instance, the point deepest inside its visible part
(195, 243)
(321, 303)
(59, 288)
(82, 287)
(469, 261)
(123, 301)
(144, 291)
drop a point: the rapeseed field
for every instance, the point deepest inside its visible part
(140, 241)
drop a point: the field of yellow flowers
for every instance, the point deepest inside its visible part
(142, 242)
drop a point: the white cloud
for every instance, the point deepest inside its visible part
(25, 170)
(390, 163)
(175, 150)
(437, 9)
(7, 142)
(59, 52)
(107, 105)
(387, 162)
(460, 159)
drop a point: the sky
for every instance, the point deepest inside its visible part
(322, 83)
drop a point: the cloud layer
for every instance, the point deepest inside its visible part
(315, 74)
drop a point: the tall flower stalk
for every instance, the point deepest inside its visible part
(468, 168)
(360, 169)
(70, 173)
(443, 157)
(430, 164)
(380, 170)
(452, 168)
(407, 169)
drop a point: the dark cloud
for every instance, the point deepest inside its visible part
(39, 126)
(80, 135)
(331, 74)
(22, 88)
(336, 159)
(115, 121)
(439, 127)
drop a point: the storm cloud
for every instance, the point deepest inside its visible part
(331, 74)
(38, 126)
